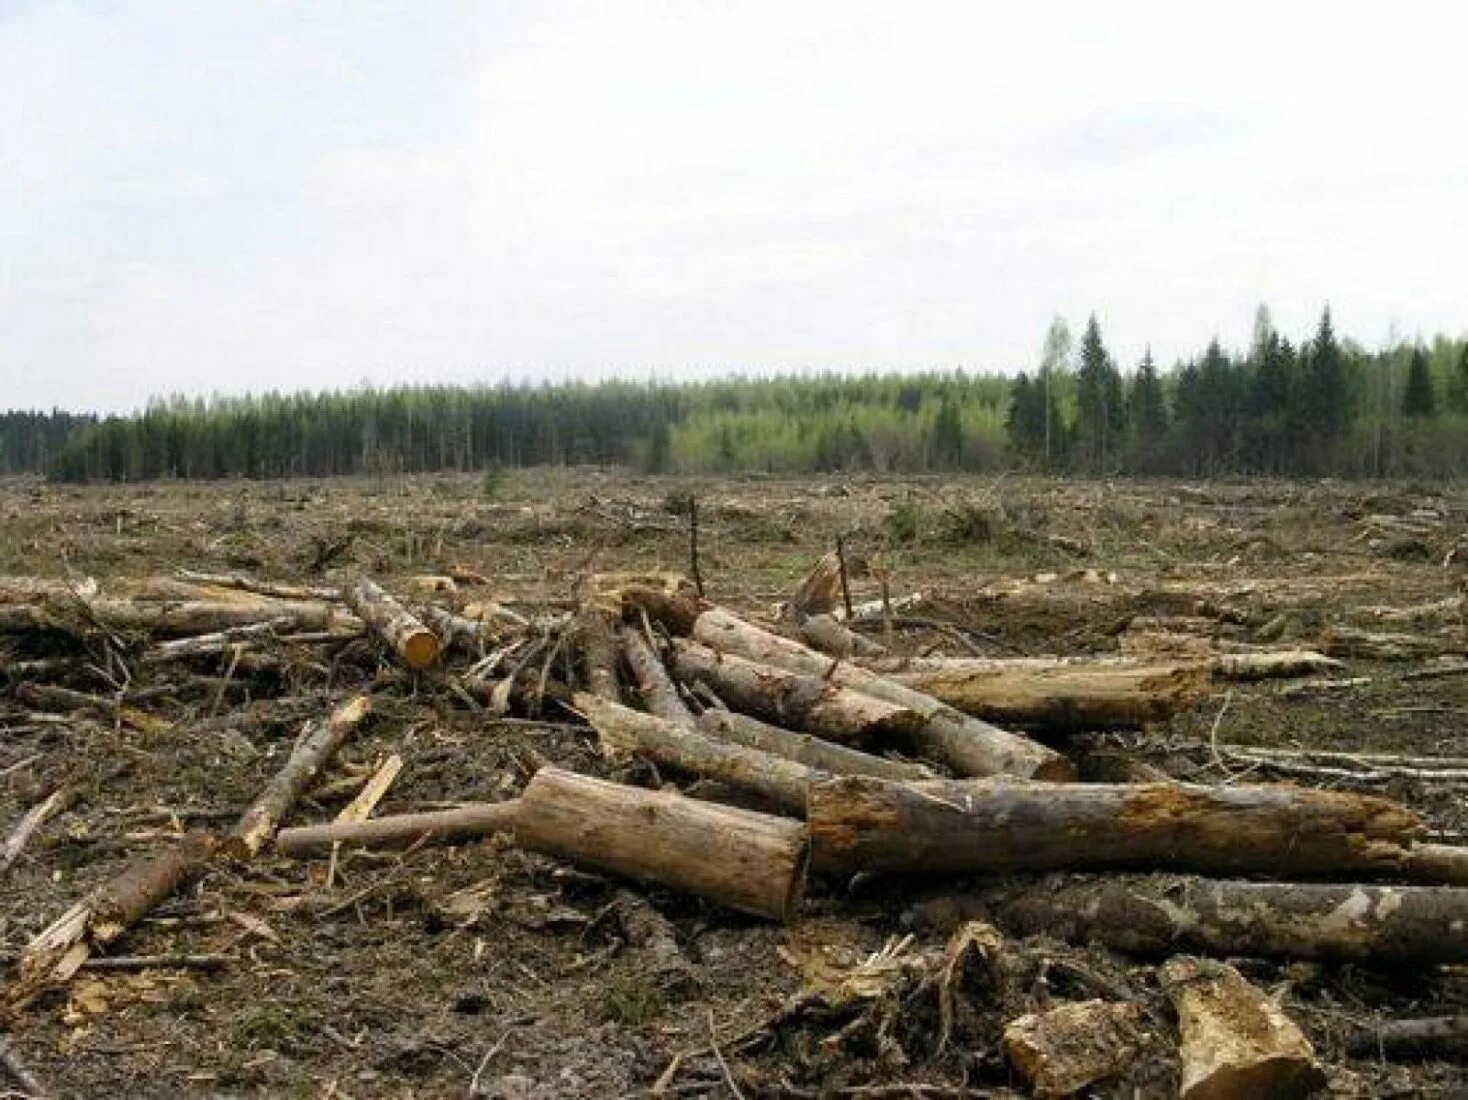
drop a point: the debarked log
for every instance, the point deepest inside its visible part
(748, 861)
(456, 826)
(416, 645)
(997, 825)
(169, 618)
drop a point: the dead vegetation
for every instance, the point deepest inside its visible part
(356, 789)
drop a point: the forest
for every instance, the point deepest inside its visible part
(1321, 406)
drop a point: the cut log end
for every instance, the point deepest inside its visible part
(420, 649)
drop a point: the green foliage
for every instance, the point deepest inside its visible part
(903, 520)
(492, 481)
(1419, 398)
(631, 1000)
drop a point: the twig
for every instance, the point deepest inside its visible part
(158, 962)
(845, 581)
(484, 1062)
(34, 818)
(1213, 734)
(719, 1054)
(693, 545)
(28, 1081)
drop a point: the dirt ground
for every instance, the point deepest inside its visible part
(451, 971)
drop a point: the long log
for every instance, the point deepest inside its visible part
(966, 744)
(598, 647)
(651, 683)
(830, 635)
(1428, 1037)
(1235, 1041)
(1163, 914)
(416, 645)
(259, 823)
(456, 826)
(1066, 696)
(863, 824)
(747, 861)
(169, 618)
(827, 756)
(791, 699)
(627, 732)
(1444, 863)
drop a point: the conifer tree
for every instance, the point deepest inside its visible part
(1419, 398)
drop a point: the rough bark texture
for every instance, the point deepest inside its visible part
(836, 759)
(459, 631)
(792, 699)
(258, 824)
(1235, 1041)
(598, 648)
(675, 609)
(829, 635)
(1444, 863)
(457, 826)
(169, 618)
(967, 745)
(627, 732)
(1430, 1037)
(1066, 696)
(651, 683)
(1061, 1051)
(861, 824)
(1273, 664)
(1161, 915)
(818, 594)
(416, 645)
(748, 861)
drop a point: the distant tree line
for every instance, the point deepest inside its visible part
(1325, 406)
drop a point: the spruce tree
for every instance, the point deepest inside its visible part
(1146, 408)
(1100, 411)
(1418, 399)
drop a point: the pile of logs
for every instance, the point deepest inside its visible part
(820, 756)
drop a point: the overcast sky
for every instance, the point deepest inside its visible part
(226, 196)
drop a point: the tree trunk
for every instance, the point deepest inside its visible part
(626, 732)
(861, 824)
(593, 632)
(835, 638)
(457, 826)
(818, 594)
(459, 631)
(416, 645)
(168, 618)
(651, 683)
(806, 702)
(1431, 1037)
(1235, 1041)
(1445, 863)
(1272, 664)
(748, 861)
(1160, 915)
(967, 745)
(258, 824)
(1073, 1045)
(1066, 696)
(726, 725)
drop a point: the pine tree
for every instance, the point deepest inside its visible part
(1418, 399)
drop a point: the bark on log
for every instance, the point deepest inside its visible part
(416, 645)
(244, 583)
(184, 617)
(459, 631)
(651, 683)
(1160, 915)
(675, 609)
(968, 745)
(791, 699)
(1430, 1037)
(747, 861)
(259, 823)
(457, 826)
(827, 756)
(1272, 664)
(1346, 641)
(1066, 696)
(1235, 1041)
(818, 593)
(1444, 863)
(831, 636)
(862, 824)
(57, 952)
(1073, 1045)
(598, 647)
(626, 732)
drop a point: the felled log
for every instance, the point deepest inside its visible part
(1160, 915)
(32, 820)
(1272, 664)
(458, 631)
(31, 589)
(966, 744)
(57, 952)
(1346, 641)
(245, 583)
(211, 645)
(651, 683)
(168, 618)
(456, 826)
(827, 756)
(1445, 863)
(865, 824)
(818, 593)
(807, 702)
(626, 732)
(1061, 1051)
(416, 645)
(831, 636)
(747, 861)
(1430, 1037)
(1066, 696)
(598, 648)
(259, 823)
(1235, 1041)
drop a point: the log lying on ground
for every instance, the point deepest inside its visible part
(626, 732)
(651, 683)
(748, 861)
(968, 745)
(1272, 664)
(258, 824)
(598, 647)
(831, 636)
(1346, 641)
(58, 951)
(807, 702)
(864, 824)
(1235, 1041)
(456, 826)
(1161, 914)
(245, 583)
(1431, 1037)
(725, 725)
(31, 589)
(1445, 863)
(1241, 665)
(416, 645)
(459, 631)
(168, 618)
(1061, 1051)
(1065, 696)
(818, 594)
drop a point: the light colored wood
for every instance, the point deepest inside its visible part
(169, 618)
(818, 593)
(416, 645)
(465, 823)
(827, 756)
(747, 861)
(1064, 1049)
(1235, 1041)
(835, 638)
(598, 645)
(651, 684)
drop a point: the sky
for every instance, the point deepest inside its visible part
(200, 198)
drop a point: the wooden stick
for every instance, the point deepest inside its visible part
(31, 821)
(725, 725)
(416, 645)
(598, 647)
(361, 806)
(159, 962)
(467, 823)
(259, 823)
(748, 861)
(651, 683)
(30, 1084)
(1432, 1037)
(693, 569)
